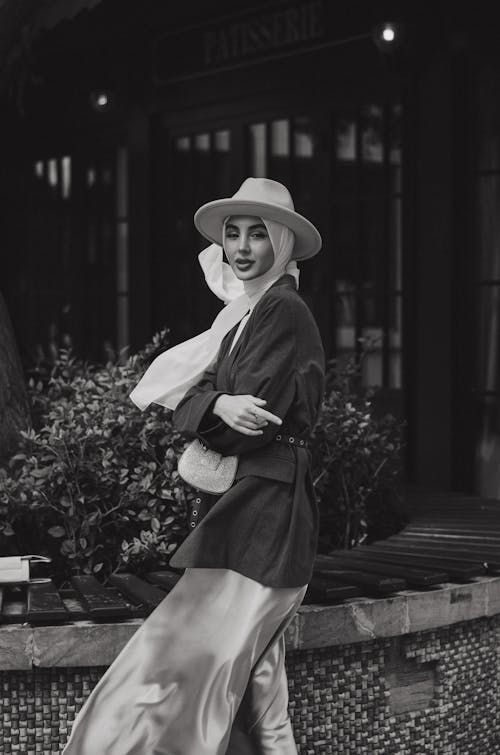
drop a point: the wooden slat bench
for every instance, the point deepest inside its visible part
(450, 538)
(44, 603)
(101, 602)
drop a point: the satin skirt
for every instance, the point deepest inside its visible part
(203, 675)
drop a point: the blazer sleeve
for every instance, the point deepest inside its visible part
(266, 368)
(190, 411)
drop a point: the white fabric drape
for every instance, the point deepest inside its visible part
(172, 373)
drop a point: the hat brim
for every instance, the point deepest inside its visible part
(209, 221)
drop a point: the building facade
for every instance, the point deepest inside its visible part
(123, 120)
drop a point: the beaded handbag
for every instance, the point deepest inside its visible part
(207, 470)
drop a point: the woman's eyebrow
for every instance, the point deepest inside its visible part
(257, 225)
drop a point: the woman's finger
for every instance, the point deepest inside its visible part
(252, 423)
(247, 430)
(254, 415)
(264, 414)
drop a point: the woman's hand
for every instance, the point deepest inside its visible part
(244, 413)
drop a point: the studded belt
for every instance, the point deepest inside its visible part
(291, 440)
(199, 507)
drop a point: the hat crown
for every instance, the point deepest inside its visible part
(265, 190)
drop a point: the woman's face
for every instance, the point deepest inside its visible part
(248, 247)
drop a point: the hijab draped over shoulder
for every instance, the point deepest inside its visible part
(172, 373)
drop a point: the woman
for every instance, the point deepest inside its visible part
(205, 673)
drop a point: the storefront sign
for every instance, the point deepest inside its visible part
(239, 40)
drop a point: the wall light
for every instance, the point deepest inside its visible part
(101, 100)
(388, 35)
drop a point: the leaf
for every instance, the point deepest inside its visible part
(41, 472)
(155, 524)
(67, 548)
(57, 531)
(19, 457)
(97, 567)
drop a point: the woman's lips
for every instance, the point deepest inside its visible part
(243, 264)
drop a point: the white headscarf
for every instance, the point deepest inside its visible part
(172, 373)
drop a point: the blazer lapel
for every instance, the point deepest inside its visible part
(227, 359)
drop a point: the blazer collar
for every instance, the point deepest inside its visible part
(285, 280)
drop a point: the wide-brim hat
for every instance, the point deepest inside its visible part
(266, 199)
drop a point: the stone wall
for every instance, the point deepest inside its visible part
(433, 692)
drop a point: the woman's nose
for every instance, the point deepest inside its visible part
(244, 246)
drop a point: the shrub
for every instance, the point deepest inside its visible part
(95, 484)
(356, 463)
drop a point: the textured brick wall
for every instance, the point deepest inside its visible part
(432, 692)
(348, 699)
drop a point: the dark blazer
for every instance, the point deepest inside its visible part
(265, 526)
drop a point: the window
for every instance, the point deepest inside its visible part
(105, 310)
(367, 242)
(80, 279)
(199, 168)
(366, 207)
(486, 282)
(122, 250)
(47, 274)
(282, 149)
